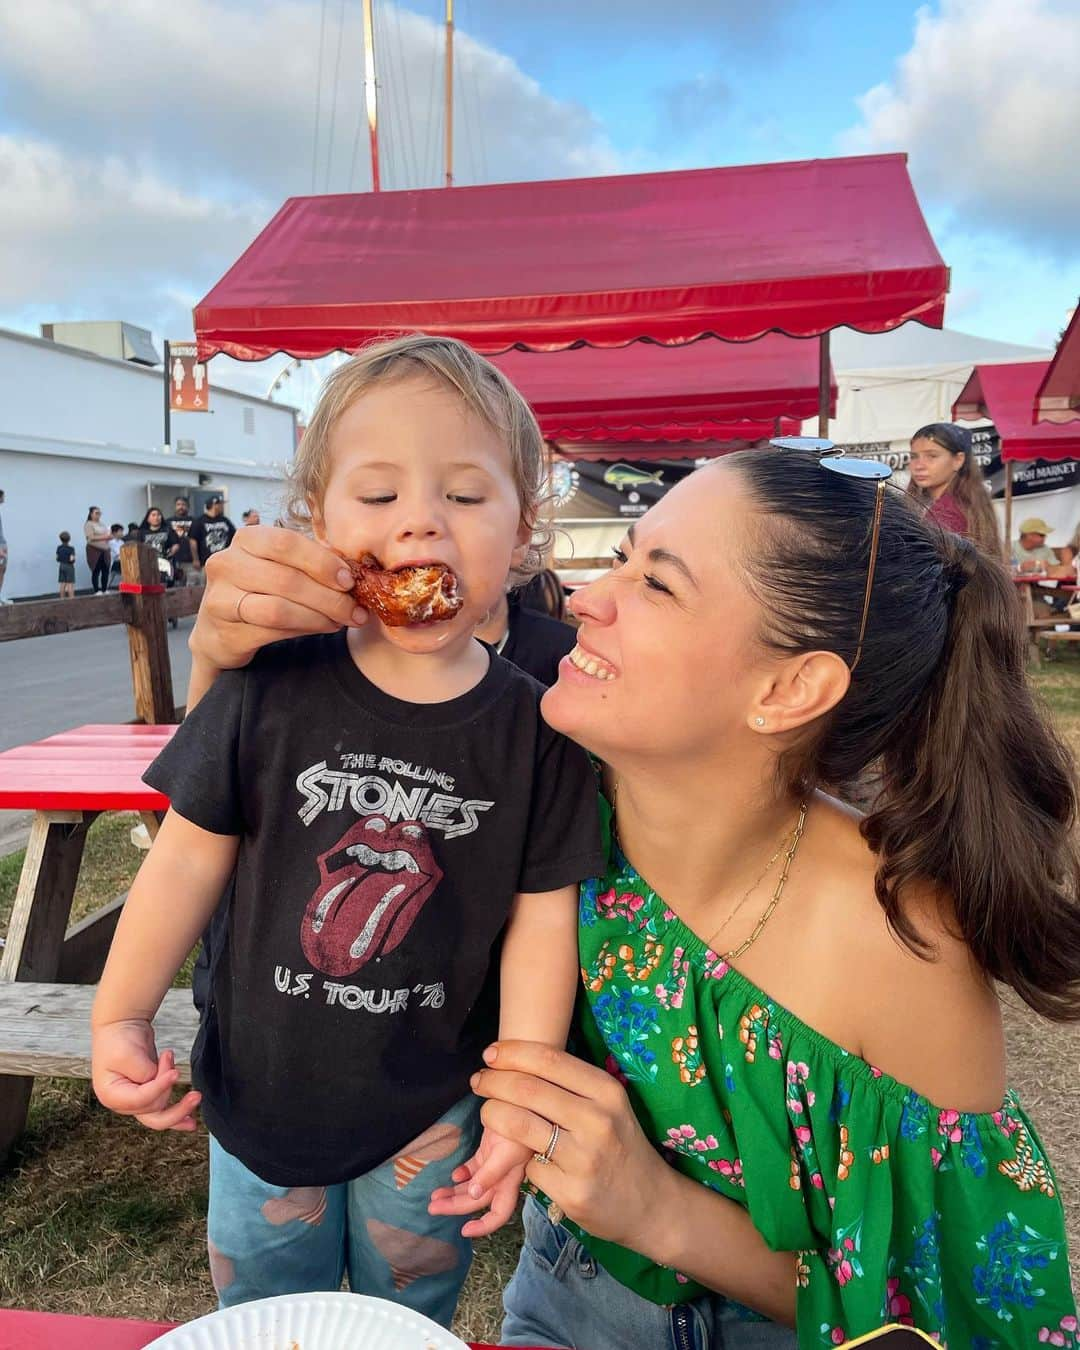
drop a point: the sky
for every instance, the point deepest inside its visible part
(143, 146)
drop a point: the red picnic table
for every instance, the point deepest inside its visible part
(56, 1331)
(67, 780)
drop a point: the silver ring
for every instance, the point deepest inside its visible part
(549, 1152)
(240, 600)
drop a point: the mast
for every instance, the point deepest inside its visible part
(449, 80)
(370, 92)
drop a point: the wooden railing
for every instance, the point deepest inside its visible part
(144, 611)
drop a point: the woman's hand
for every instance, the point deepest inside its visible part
(602, 1164)
(267, 585)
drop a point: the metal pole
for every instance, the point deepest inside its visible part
(370, 93)
(168, 398)
(823, 386)
(1008, 508)
(449, 80)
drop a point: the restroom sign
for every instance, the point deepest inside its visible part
(189, 384)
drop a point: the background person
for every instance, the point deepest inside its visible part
(98, 555)
(250, 516)
(529, 637)
(947, 480)
(65, 563)
(116, 543)
(213, 532)
(156, 531)
(1032, 556)
(3, 554)
(180, 522)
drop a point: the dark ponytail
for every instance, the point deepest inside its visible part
(978, 796)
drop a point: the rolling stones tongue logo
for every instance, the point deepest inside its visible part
(375, 881)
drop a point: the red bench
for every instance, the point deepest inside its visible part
(67, 781)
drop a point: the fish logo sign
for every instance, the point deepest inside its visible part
(623, 476)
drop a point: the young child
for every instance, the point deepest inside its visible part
(65, 561)
(116, 543)
(399, 836)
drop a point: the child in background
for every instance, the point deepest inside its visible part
(65, 559)
(116, 543)
(400, 837)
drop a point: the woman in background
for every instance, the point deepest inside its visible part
(947, 480)
(98, 557)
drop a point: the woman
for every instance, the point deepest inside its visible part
(98, 557)
(796, 1092)
(159, 534)
(947, 480)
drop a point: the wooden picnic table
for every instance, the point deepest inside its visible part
(56, 1331)
(67, 780)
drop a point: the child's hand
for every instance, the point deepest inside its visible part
(490, 1181)
(132, 1079)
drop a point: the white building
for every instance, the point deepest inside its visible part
(78, 429)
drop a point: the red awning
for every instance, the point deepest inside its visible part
(1005, 394)
(706, 391)
(668, 257)
(1058, 397)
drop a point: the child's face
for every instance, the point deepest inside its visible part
(416, 477)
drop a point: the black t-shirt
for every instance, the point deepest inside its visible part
(65, 554)
(181, 527)
(160, 540)
(354, 969)
(536, 643)
(210, 534)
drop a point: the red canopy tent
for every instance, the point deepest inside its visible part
(1006, 394)
(1058, 396)
(645, 393)
(733, 253)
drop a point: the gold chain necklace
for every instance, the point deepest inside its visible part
(767, 913)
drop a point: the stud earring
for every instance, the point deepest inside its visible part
(759, 721)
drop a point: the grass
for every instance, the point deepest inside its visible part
(102, 1217)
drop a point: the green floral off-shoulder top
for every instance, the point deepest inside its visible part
(901, 1211)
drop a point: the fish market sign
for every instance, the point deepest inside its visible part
(620, 489)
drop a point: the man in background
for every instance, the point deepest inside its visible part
(213, 531)
(3, 554)
(250, 517)
(180, 522)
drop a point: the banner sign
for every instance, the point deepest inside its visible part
(620, 490)
(189, 388)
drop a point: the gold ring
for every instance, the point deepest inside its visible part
(549, 1152)
(240, 600)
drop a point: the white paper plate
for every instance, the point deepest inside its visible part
(311, 1322)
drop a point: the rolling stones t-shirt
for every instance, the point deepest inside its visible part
(354, 969)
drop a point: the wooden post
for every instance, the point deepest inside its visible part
(151, 674)
(1008, 509)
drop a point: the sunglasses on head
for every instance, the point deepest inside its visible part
(833, 458)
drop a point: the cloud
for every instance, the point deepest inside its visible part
(688, 105)
(143, 146)
(987, 102)
(102, 233)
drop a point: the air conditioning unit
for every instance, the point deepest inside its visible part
(185, 447)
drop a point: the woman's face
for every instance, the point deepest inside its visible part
(153, 519)
(671, 632)
(95, 514)
(932, 466)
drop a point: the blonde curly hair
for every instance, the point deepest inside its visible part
(483, 389)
